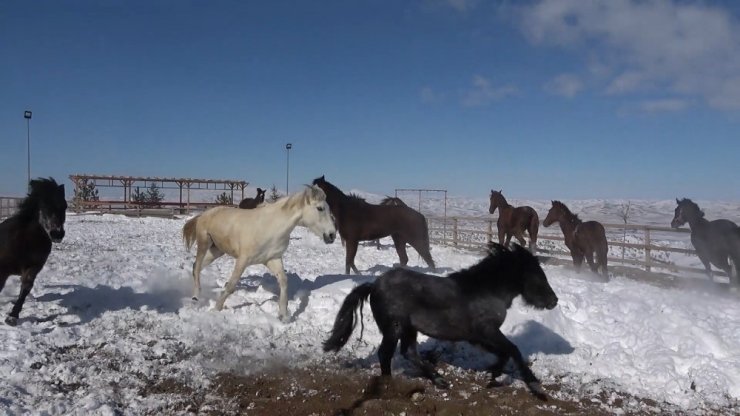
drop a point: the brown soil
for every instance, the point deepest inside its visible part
(353, 391)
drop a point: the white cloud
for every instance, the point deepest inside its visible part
(664, 105)
(429, 96)
(565, 85)
(676, 48)
(482, 92)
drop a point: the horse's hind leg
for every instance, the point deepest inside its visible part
(203, 247)
(400, 244)
(422, 247)
(241, 264)
(27, 279)
(590, 261)
(410, 352)
(276, 267)
(211, 254)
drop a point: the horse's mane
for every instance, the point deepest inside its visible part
(568, 213)
(39, 187)
(392, 200)
(492, 272)
(356, 197)
(299, 198)
(691, 204)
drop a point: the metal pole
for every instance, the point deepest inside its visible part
(288, 146)
(27, 115)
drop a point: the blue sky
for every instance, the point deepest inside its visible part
(558, 99)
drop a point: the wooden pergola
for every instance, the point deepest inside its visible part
(184, 185)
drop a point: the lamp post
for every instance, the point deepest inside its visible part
(27, 115)
(288, 146)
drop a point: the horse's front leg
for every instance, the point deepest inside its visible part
(276, 267)
(27, 279)
(239, 266)
(410, 352)
(349, 261)
(497, 343)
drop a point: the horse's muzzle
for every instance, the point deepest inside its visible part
(552, 304)
(56, 235)
(675, 224)
(329, 238)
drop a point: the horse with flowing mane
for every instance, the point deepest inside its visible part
(251, 203)
(468, 305)
(26, 237)
(715, 241)
(583, 239)
(358, 221)
(514, 221)
(258, 236)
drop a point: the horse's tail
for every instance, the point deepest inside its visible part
(345, 321)
(426, 253)
(188, 232)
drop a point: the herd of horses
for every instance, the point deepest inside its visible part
(467, 305)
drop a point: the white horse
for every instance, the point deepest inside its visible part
(256, 236)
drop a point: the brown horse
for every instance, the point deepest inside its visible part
(513, 221)
(581, 238)
(251, 203)
(358, 221)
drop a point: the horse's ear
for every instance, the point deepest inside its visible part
(501, 191)
(60, 189)
(494, 248)
(677, 201)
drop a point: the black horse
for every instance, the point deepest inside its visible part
(358, 221)
(251, 203)
(469, 305)
(714, 241)
(26, 237)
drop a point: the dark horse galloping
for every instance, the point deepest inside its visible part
(26, 237)
(581, 238)
(358, 221)
(513, 221)
(251, 203)
(469, 305)
(714, 241)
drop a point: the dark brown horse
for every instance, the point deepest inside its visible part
(26, 237)
(514, 221)
(583, 239)
(250, 203)
(715, 241)
(358, 221)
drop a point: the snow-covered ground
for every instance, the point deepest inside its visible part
(112, 309)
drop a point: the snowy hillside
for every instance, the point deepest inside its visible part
(112, 309)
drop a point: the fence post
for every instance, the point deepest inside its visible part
(454, 231)
(647, 249)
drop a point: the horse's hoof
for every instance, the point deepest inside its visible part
(286, 319)
(194, 298)
(537, 390)
(11, 320)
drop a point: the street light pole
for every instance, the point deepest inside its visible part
(288, 146)
(27, 115)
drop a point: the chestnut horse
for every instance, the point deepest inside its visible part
(514, 221)
(358, 221)
(250, 203)
(583, 239)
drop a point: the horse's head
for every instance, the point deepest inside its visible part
(261, 195)
(50, 200)
(686, 211)
(316, 214)
(535, 288)
(496, 197)
(553, 215)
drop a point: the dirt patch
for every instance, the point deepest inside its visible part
(353, 391)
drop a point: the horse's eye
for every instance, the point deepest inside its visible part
(321, 209)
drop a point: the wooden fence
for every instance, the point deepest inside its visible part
(145, 209)
(475, 232)
(8, 206)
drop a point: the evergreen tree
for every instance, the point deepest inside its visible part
(85, 192)
(153, 195)
(139, 197)
(274, 194)
(225, 199)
